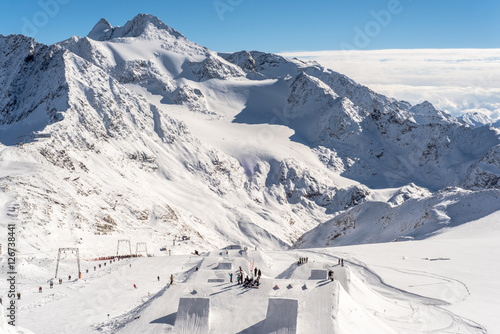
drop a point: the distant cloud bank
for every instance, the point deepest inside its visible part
(455, 80)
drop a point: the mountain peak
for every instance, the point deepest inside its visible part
(145, 26)
(102, 28)
(425, 113)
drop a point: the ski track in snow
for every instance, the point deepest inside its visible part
(394, 292)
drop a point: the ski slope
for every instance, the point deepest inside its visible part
(445, 284)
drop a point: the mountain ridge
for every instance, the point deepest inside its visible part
(121, 140)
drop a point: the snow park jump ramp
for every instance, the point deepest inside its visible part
(281, 316)
(192, 316)
(224, 266)
(318, 274)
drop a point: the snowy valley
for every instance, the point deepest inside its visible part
(137, 133)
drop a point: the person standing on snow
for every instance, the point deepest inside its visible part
(158, 278)
(231, 277)
(259, 273)
(171, 279)
(330, 275)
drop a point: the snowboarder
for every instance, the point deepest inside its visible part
(171, 279)
(257, 281)
(231, 277)
(330, 275)
(248, 282)
(158, 278)
(135, 286)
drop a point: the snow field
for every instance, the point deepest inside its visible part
(406, 287)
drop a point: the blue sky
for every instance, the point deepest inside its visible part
(275, 26)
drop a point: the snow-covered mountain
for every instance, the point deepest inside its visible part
(136, 131)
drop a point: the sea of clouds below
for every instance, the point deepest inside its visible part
(454, 80)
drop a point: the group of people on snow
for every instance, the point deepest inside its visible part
(303, 260)
(247, 282)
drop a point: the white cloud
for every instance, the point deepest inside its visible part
(454, 80)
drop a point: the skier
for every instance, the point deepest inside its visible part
(135, 286)
(40, 289)
(171, 279)
(231, 277)
(158, 278)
